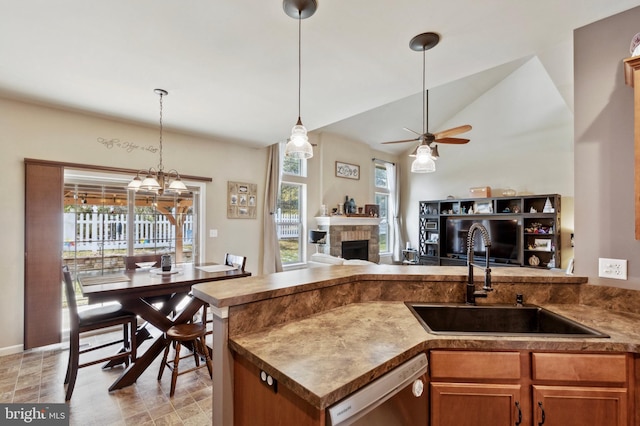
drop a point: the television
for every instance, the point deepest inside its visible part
(504, 234)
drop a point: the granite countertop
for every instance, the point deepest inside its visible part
(260, 287)
(327, 356)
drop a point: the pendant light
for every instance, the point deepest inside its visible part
(298, 145)
(425, 154)
(157, 180)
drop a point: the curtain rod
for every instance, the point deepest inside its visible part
(382, 161)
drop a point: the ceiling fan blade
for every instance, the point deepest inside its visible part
(454, 131)
(402, 141)
(412, 131)
(454, 141)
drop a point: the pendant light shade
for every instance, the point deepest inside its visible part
(423, 162)
(298, 145)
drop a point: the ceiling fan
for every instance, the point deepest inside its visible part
(423, 42)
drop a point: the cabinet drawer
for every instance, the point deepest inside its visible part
(580, 367)
(474, 365)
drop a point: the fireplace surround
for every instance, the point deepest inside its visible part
(350, 229)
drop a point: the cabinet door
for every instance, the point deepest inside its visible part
(579, 406)
(475, 404)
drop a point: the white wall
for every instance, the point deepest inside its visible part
(30, 131)
(522, 139)
(604, 148)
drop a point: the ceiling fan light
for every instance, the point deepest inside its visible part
(423, 162)
(418, 166)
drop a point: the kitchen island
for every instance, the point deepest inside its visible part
(326, 332)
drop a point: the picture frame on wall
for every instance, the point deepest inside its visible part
(241, 200)
(347, 171)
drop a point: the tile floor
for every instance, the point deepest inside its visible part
(38, 376)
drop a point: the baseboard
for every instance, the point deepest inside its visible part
(11, 350)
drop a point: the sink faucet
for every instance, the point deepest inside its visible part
(471, 294)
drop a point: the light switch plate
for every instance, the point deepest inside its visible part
(213, 233)
(612, 268)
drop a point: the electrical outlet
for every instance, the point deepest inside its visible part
(213, 233)
(612, 268)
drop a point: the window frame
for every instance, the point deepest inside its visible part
(384, 192)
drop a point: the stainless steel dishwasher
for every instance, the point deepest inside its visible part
(397, 398)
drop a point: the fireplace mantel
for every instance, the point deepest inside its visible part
(346, 220)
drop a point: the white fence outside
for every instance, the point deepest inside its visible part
(288, 225)
(106, 231)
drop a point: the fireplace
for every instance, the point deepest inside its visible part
(358, 249)
(360, 230)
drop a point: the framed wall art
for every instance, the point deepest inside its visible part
(242, 200)
(372, 210)
(348, 171)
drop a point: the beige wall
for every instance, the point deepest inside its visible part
(604, 153)
(30, 131)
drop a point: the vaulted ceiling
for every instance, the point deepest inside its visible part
(231, 66)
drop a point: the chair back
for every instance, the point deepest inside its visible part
(71, 298)
(130, 261)
(235, 260)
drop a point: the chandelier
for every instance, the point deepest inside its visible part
(157, 180)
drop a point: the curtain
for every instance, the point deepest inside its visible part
(271, 247)
(397, 243)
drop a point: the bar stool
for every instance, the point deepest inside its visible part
(193, 333)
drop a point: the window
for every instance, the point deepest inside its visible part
(382, 200)
(291, 211)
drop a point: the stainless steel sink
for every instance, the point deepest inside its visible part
(497, 320)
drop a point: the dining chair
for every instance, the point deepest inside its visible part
(235, 260)
(130, 261)
(95, 318)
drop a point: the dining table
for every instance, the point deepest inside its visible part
(140, 289)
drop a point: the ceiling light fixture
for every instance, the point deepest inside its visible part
(157, 180)
(424, 155)
(298, 145)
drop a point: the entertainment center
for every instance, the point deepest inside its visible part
(524, 230)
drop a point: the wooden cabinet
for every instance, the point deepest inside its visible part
(525, 230)
(477, 388)
(580, 389)
(474, 404)
(256, 403)
(531, 388)
(579, 406)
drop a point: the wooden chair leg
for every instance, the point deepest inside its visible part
(164, 360)
(174, 374)
(207, 358)
(72, 368)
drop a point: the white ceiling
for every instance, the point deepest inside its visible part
(230, 66)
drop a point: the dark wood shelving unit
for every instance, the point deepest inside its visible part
(533, 231)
